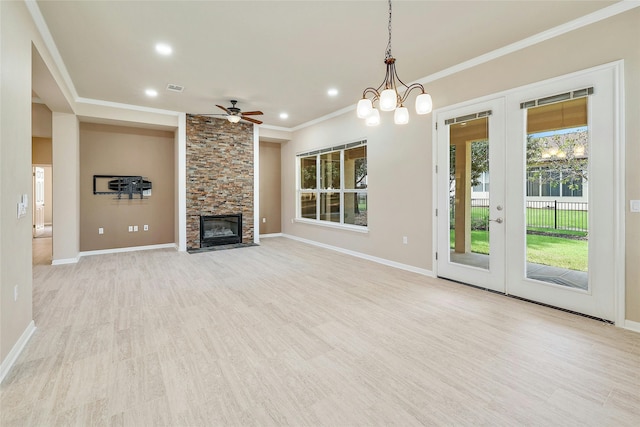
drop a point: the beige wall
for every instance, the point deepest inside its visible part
(40, 121)
(119, 150)
(41, 151)
(270, 192)
(15, 173)
(27, 67)
(66, 185)
(400, 157)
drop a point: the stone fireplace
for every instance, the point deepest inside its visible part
(220, 174)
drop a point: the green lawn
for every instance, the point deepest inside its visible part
(547, 250)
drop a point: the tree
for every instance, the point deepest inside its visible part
(558, 159)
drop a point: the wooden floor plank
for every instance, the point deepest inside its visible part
(290, 334)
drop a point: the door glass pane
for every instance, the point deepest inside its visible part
(557, 215)
(469, 192)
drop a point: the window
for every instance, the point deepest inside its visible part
(332, 185)
(547, 182)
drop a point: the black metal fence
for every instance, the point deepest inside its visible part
(552, 215)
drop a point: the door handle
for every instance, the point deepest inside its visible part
(498, 220)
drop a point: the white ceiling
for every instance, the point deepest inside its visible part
(278, 56)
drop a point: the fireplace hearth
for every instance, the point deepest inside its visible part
(218, 230)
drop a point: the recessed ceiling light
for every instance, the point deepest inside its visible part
(284, 116)
(151, 92)
(332, 92)
(163, 49)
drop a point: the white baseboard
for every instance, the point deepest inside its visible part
(271, 235)
(11, 358)
(632, 326)
(129, 249)
(383, 261)
(65, 261)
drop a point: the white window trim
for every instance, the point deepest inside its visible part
(318, 190)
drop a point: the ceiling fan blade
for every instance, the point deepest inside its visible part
(222, 108)
(249, 119)
(252, 113)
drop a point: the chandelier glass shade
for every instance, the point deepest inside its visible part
(391, 94)
(233, 118)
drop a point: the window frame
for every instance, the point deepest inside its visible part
(319, 190)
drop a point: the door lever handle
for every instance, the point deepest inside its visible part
(498, 220)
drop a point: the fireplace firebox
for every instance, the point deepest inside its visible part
(220, 230)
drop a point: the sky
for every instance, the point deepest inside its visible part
(559, 132)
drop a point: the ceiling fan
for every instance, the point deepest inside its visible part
(234, 114)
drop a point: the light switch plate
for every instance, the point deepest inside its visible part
(634, 205)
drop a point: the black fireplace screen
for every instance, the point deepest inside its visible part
(220, 230)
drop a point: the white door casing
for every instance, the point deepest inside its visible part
(507, 135)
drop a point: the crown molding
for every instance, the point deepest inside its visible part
(591, 18)
(599, 15)
(130, 107)
(43, 29)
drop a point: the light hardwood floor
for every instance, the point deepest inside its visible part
(291, 334)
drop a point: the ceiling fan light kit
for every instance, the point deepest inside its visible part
(234, 114)
(388, 96)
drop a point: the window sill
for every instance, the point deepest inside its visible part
(348, 227)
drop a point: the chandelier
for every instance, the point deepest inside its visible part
(389, 96)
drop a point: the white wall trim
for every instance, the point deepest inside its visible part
(65, 261)
(383, 261)
(256, 184)
(130, 107)
(619, 195)
(43, 29)
(13, 355)
(266, 236)
(129, 249)
(278, 128)
(182, 182)
(632, 326)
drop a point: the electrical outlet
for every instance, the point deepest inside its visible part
(146, 227)
(135, 228)
(264, 220)
(130, 228)
(15, 293)
(405, 240)
(100, 230)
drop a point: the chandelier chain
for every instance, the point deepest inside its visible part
(388, 54)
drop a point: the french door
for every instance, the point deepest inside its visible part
(527, 190)
(471, 227)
